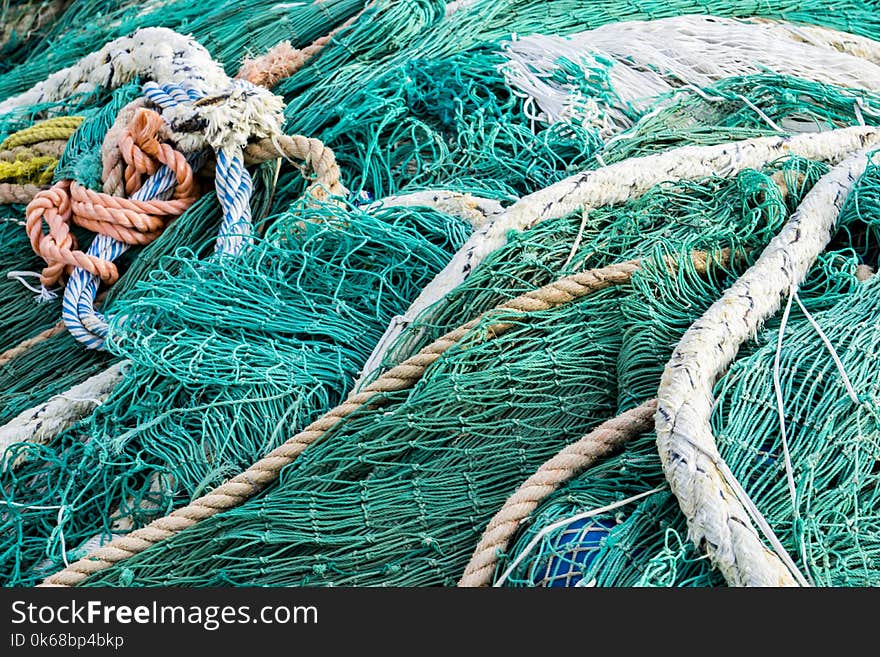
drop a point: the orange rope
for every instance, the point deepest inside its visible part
(125, 219)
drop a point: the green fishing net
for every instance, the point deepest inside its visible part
(832, 441)
(481, 420)
(228, 357)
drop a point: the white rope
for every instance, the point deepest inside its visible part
(615, 184)
(831, 350)
(42, 423)
(717, 509)
(152, 53)
(640, 65)
(577, 240)
(780, 405)
(473, 209)
(42, 293)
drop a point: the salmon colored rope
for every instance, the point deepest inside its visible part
(283, 60)
(125, 219)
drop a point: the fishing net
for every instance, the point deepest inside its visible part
(223, 358)
(499, 407)
(644, 542)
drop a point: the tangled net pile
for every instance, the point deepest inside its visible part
(493, 292)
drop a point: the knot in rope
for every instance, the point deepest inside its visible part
(188, 110)
(128, 220)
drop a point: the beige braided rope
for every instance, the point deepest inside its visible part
(16, 193)
(24, 345)
(573, 459)
(245, 485)
(318, 157)
(112, 162)
(52, 148)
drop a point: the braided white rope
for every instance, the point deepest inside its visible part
(617, 183)
(42, 423)
(712, 501)
(152, 53)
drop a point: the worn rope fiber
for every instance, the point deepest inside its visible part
(19, 193)
(402, 377)
(570, 461)
(717, 517)
(283, 60)
(52, 148)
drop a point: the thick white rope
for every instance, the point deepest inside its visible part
(717, 518)
(618, 183)
(152, 53)
(42, 423)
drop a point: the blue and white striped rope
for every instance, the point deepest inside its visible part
(85, 323)
(233, 181)
(170, 95)
(234, 188)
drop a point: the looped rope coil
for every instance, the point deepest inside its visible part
(28, 157)
(128, 220)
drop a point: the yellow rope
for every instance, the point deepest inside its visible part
(60, 127)
(37, 170)
(28, 157)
